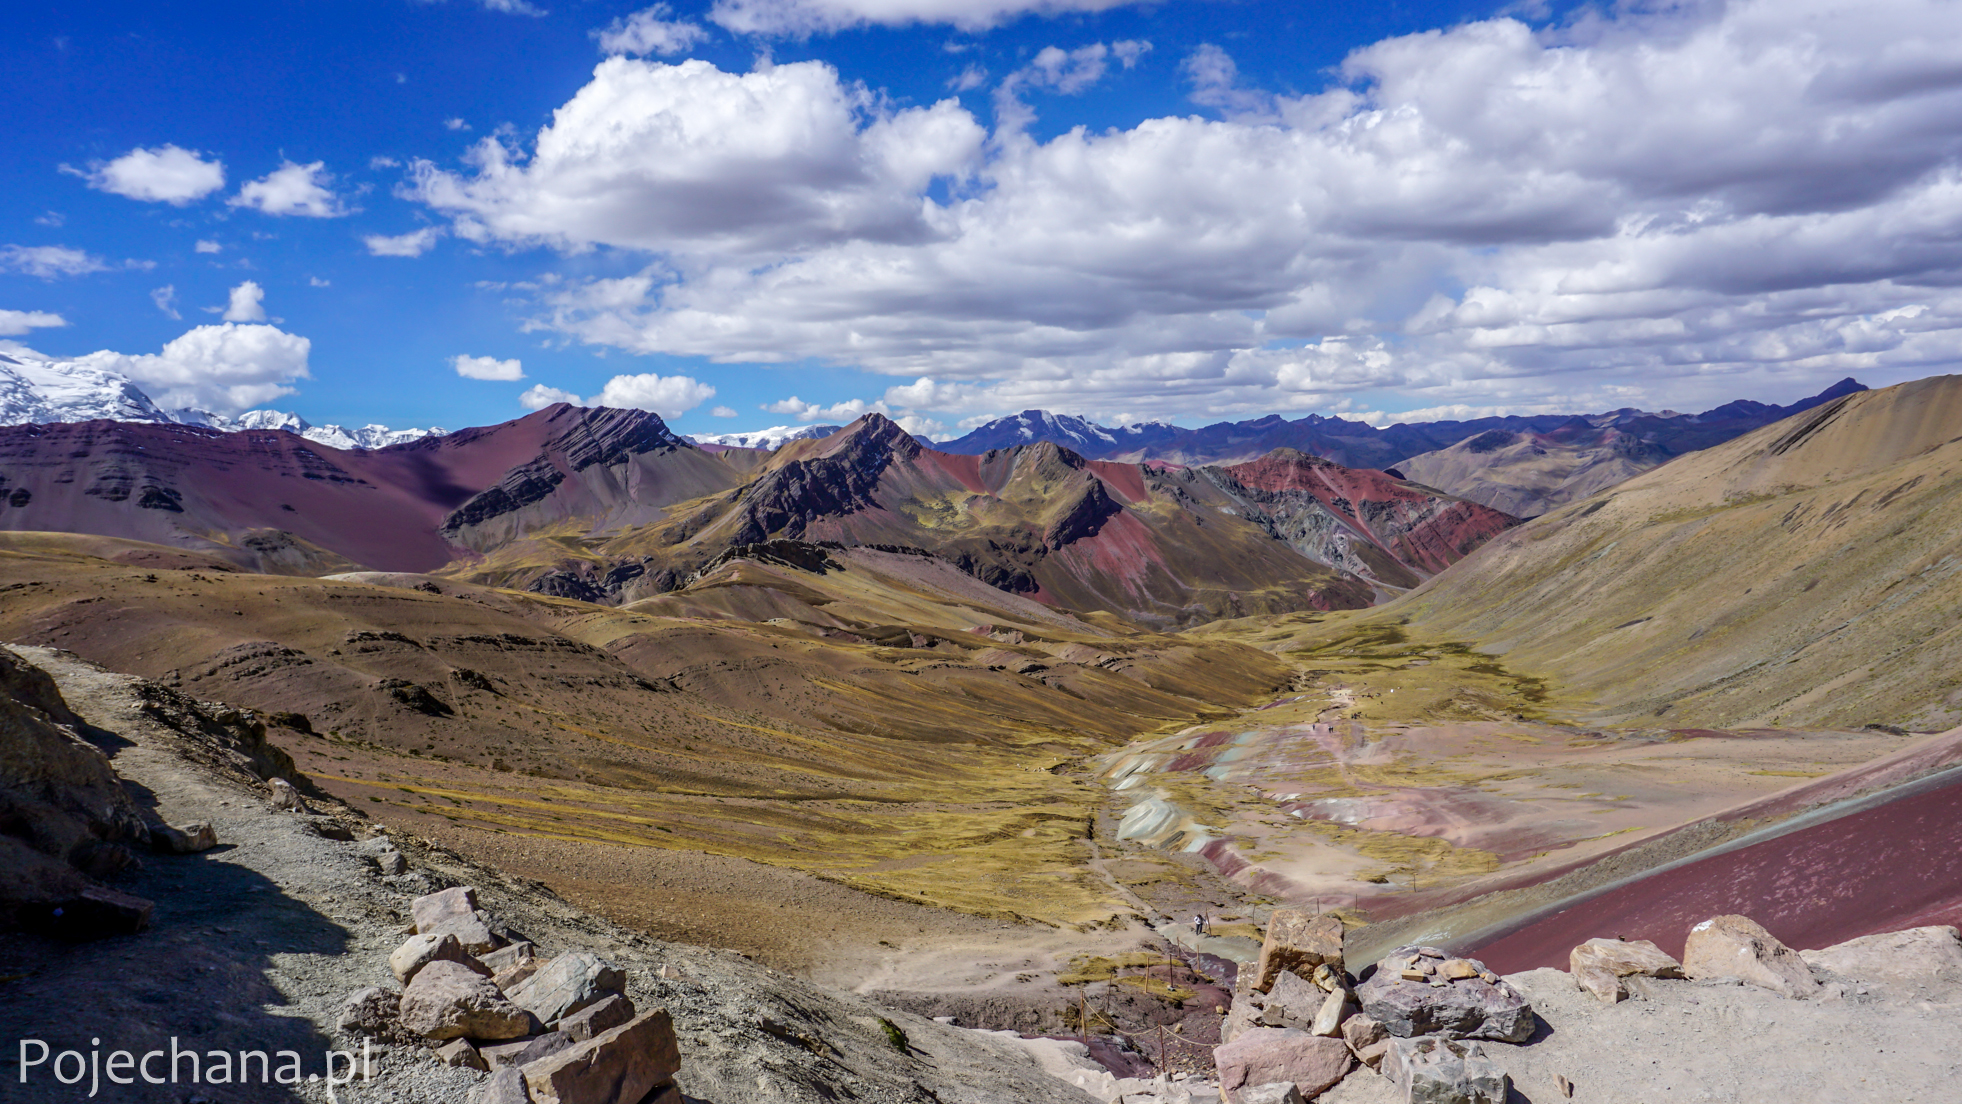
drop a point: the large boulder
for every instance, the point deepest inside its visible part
(1263, 1055)
(623, 1064)
(472, 929)
(1735, 946)
(420, 950)
(64, 816)
(448, 1000)
(1436, 1070)
(1895, 961)
(427, 909)
(1422, 991)
(567, 984)
(1298, 942)
(1598, 965)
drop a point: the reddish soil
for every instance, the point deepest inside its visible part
(1898, 865)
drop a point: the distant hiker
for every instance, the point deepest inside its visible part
(1199, 924)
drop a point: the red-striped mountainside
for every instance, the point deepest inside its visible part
(1367, 522)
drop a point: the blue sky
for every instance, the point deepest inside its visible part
(1444, 208)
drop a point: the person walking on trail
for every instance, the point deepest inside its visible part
(1199, 923)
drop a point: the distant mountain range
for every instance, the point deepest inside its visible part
(771, 438)
(34, 391)
(656, 512)
(1521, 464)
(1359, 444)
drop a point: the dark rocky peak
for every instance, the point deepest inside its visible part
(1048, 456)
(608, 435)
(874, 438)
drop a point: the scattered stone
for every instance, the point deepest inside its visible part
(506, 1086)
(1368, 1039)
(1328, 978)
(1735, 946)
(473, 930)
(1328, 1021)
(1274, 1092)
(1435, 1070)
(567, 984)
(458, 1053)
(188, 840)
(1262, 1055)
(1598, 965)
(448, 1000)
(1565, 1086)
(370, 1011)
(1298, 941)
(610, 1013)
(330, 829)
(421, 950)
(1472, 1008)
(284, 796)
(1916, 956)
(427, 909)
(390, 863)
(1458, 969)
(622, 1064)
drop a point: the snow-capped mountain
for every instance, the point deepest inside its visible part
(333, 436)
(771, 438)
(1077, 434)
(41, 391)
(36, 390)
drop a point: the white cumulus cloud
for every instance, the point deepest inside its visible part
(667, 157)
(205, 246)
(538, 397)
(224, 368)
(13, 323)
(651, 31)
(165, 174)
(667, 396)
(247, 303)
(1696, 201)
(724, 412)
(807, 17)
(293, 189)
(488, 368)
(412, 244)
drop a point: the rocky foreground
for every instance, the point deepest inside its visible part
(182, 903)
(278, 938)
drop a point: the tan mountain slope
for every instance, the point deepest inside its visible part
(1805, 574)
(1527, 474)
